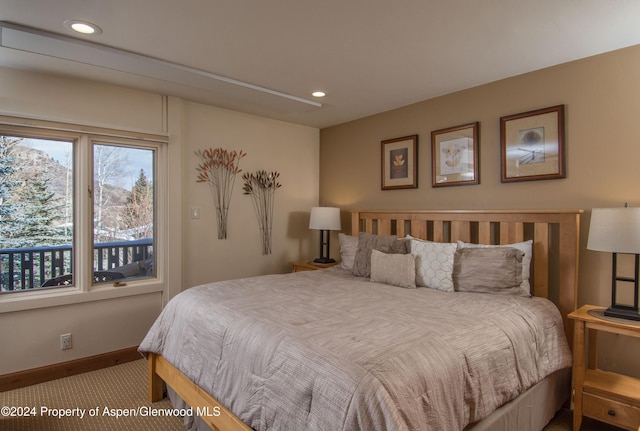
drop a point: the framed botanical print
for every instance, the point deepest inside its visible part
(532, 145)
(455, 156)
(400, 163)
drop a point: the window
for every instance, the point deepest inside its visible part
(64, 193)
(123, 212)
(36, 211)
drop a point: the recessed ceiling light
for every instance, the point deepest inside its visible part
(83, 27)
(318, 94)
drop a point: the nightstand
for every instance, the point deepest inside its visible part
(309, 265)
(602, 395)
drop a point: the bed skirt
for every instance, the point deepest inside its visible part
(531, 411)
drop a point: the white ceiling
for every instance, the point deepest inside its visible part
(368, 55)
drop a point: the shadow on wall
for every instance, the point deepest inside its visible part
(298, 229)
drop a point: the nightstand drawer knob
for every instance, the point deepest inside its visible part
(611, 412)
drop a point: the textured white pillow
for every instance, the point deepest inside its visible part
(395, 269)
(348, 248)
(434, 264)
(527, 248)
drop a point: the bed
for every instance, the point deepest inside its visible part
(329, 350)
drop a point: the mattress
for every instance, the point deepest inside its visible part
(326, 350)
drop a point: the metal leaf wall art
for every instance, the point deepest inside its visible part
(261, 186)
(218, 168)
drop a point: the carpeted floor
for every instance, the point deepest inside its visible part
(102, 395)
(120, 389)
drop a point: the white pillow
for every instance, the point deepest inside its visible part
(434, 264)
(348, 248)
(395, 269)
(527, 248)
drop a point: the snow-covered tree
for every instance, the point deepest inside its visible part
(9, 215)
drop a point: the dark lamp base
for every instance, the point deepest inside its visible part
(622, 313)
(324, 260)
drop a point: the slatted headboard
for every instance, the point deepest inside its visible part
(555, 235)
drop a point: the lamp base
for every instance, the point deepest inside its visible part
(622, 313)
(324, 260)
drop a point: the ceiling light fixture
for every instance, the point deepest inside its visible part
(318, 94)
(83, 27)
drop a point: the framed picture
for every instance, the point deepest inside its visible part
(399, 163)
(454, 156)
(532, 145)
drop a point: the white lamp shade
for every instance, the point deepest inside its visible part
(615, 230)
(325, 218)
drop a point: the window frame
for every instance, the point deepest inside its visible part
(83, 139)
(123, 143)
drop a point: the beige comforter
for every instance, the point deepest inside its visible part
(324, 350)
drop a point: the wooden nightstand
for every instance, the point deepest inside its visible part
(605, 396)
(309, 265)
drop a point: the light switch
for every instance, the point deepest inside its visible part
(195, 213)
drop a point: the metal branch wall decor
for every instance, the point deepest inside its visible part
(218, 168)
(261, 186)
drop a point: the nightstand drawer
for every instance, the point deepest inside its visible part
(610, 411)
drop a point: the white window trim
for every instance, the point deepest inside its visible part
(85, 290)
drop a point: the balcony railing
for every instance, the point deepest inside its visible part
(29, 268)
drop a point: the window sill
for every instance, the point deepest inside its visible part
(66, 296)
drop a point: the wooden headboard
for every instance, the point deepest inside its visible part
(555, 235)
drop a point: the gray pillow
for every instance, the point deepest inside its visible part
(366, 243)
(488, 270)
(401, 246)
(526, 247)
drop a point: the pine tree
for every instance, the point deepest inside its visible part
(39, 212)
(137, 213)
(10, 218)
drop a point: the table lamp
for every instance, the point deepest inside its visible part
(617, 230)
(324, 219)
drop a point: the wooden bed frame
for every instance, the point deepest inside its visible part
(554, 272)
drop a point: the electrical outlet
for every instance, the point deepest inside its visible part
(65, 341)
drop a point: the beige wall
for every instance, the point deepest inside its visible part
(104, 321)
(602, 99)
(272, 146)
(57, 98)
